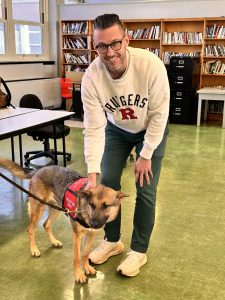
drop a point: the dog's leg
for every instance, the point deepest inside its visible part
(52, 215)
(79, 274)
(35, 212)
(88, 239)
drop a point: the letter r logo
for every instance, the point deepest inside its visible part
(127, 114)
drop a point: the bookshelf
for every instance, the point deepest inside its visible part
(181, 37)
(144, 34)
(201, 38)
(75, 45)
(213, 58)
(213, 62)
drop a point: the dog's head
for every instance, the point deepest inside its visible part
(99, 205)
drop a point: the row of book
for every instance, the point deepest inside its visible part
(215, 32)
(76, 59)
(75, 27)
(214, 50)
(215, 107)
(167, 55)
(214, 67)
(188, 38)
(156, 51)
(144, 33)
(73, 68)
(78, 43)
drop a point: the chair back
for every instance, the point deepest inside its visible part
(30, 101)
(66, 87)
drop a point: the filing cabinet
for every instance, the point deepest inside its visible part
(183, 83)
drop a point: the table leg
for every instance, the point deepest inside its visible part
(12, 148)
(199, 110)
(223, 124)
(64, 146)
(21, 150)
(55, 143)
(206, 110)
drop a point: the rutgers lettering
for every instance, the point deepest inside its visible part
(121, 101)
(127, 114)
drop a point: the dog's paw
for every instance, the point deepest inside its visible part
(80, 277)
(89, 270)
(57, 244)
(35, 252)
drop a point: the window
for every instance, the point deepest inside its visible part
(0, 9)
(2, 39)
(24, 22)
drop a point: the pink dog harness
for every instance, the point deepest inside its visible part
(69, 199)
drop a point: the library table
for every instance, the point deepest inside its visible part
(207, 94)
(15, 122)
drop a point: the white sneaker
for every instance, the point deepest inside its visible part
(105, 250)
(132, 263)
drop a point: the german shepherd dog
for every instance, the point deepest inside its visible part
(96, 207)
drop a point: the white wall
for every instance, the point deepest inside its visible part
(146, 10)
(48, 90)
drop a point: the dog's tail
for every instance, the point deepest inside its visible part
(16, 169)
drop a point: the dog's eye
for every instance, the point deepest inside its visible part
(105, 206)
(92, 205)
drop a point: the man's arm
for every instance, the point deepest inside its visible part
(158, 111)
(143, 169)
(94, 127)
(92, 181)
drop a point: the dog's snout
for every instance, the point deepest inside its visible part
(95, 224)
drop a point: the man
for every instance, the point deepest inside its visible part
(125, 94)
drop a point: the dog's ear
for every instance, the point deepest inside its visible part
(121, 195)
(84, 194)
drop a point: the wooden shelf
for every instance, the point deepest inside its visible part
(214, 39)
(182, 45)
(204, 74)
(144, 39)
(74, 49)
(214, 57)
(75, 64)
(76, 34)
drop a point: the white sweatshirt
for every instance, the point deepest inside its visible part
(137, 101)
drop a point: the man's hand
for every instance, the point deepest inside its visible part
(92, 181)
(143, 169)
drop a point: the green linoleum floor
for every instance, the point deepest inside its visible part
(186, 258)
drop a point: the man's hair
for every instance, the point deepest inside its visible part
(107, 20)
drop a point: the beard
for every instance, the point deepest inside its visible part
(116, 65)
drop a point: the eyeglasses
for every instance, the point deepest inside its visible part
(103, 48)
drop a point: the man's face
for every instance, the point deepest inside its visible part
(114, 60)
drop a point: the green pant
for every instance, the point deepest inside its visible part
(118, 146)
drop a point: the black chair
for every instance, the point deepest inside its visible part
(44, 133)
